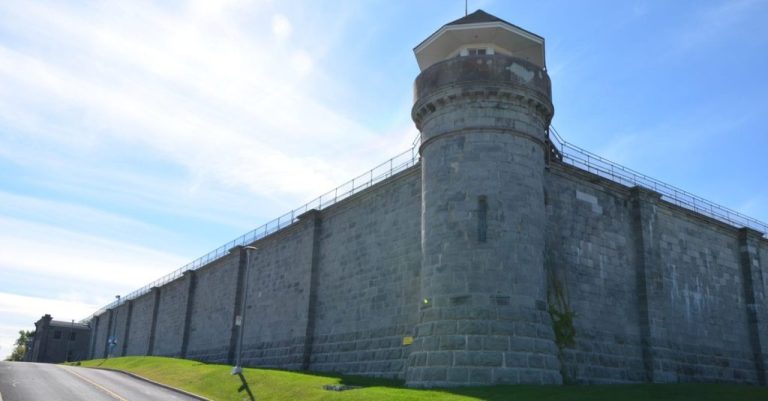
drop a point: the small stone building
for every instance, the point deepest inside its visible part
(58, 341)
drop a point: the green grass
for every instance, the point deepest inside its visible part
(216, 382)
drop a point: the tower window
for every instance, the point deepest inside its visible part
(476, 51)
(72, 336)
(482, 218)
(57, 335)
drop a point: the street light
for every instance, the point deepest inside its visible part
(113, 340)
(69, 340)
(238, 369)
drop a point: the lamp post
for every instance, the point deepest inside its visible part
(113, 339)
(238, 369)
(69, 340)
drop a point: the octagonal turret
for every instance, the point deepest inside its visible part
(480, 33)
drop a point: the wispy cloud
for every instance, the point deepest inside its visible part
(201, 110)
(40, 248)
(216, 93)
(714, 22)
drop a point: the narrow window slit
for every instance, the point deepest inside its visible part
(482, 218)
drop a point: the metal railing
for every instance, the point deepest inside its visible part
(571, 154)
(585, 160)
(364, 181)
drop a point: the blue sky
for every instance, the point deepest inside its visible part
(136, 136)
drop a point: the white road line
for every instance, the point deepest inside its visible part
(1, 397)
(106, 390)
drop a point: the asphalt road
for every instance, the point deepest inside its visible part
(26, 381)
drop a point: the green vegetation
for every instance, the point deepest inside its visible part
(20, 346)
(216, 383)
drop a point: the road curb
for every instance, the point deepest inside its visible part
(178, 390)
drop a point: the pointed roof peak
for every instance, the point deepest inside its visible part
(477, 17)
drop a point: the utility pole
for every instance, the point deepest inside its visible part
(238, 368)
(113, 339)
(69, 340)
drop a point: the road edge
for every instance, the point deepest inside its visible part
(178, 390)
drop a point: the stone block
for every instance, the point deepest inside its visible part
(444, 327)
(473, 327)
(453, 342)
(458, 375)
(474, 343)
(480, 376)
(516, 359)
(440, 358)
(536, 361)
(506, 376)
(502, 327)
(434, 374)
(528, 376)
(496, 343)
(478, 358)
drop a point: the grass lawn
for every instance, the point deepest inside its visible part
(216, 382)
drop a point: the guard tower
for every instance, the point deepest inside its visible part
(483, 106)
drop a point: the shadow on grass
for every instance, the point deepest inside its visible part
(486, 393)
(586, 392)
(245, 387)
(624, 392)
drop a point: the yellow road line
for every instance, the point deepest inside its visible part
(106, 390)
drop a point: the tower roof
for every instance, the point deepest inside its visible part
(481, 16)
(475, 17)
(480, 27)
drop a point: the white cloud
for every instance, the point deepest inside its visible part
(225, 103)
(39, 248)
(19, 305)
(281, 27)
(301, 61)
(190, 113)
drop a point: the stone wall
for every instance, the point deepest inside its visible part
(210, 318)
(644, 290)
(590, 254)
(99, 335)
(171, 314)
(656, 292)
(337, 291)
(368, 280)
(278, 292)
(120, 323)
(137, 340)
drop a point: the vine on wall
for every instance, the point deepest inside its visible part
(562, 317)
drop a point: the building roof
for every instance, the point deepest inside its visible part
(59, 323)
(480, 27)
(475, 17)
(481, 16)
